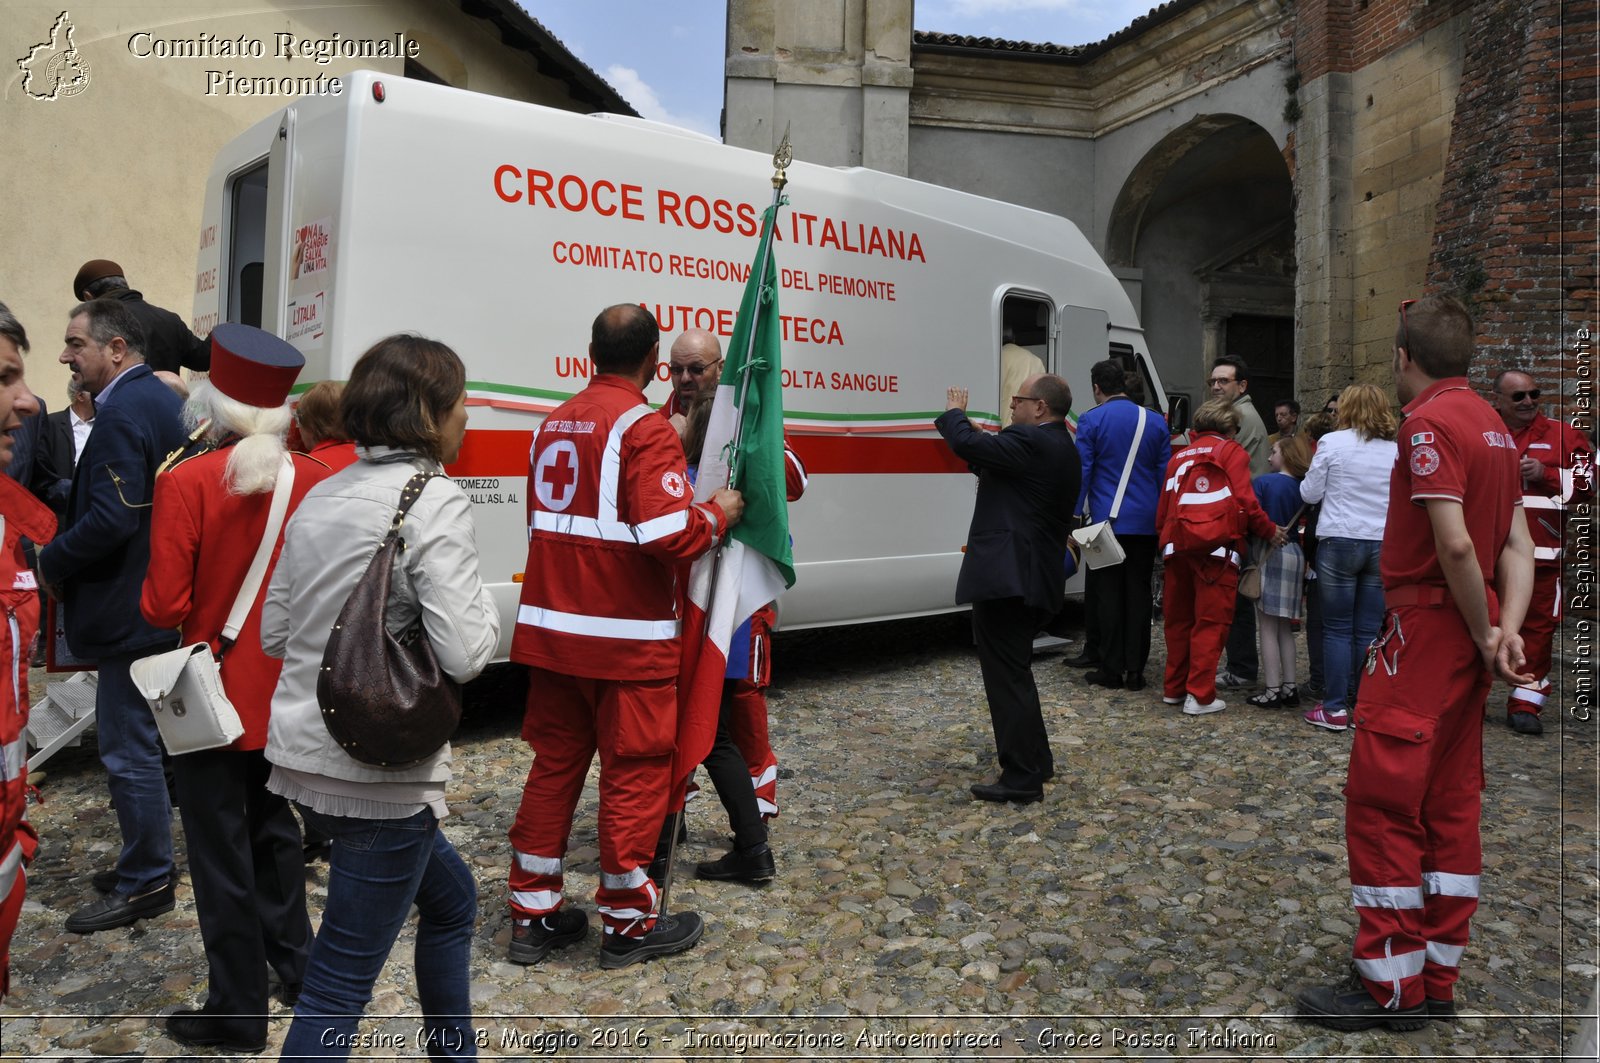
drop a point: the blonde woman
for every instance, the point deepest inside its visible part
(1350, 477)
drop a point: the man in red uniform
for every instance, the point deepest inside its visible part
(1414, 791)
(1557, 465)
(611, 517)
(21, 515)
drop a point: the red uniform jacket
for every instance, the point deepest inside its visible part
(203, 542)
(336, 454)
(21, 514)
(610, 514)
(1568, 460)
(1233, 460)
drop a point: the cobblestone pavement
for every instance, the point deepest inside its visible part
(1181, 877)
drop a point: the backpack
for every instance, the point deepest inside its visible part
(1205, 513)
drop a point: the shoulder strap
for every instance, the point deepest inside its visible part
(1127, 466)
(409, 494)
(258, 567)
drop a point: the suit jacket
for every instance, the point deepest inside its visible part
(100, 559)
(1027, 483)
(52, 469)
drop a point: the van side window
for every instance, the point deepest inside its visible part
(1141, 387)
(246, 228)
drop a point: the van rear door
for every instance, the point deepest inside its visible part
(243, 258)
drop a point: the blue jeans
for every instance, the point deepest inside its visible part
(376, 870)
(1351, 593)
(131, 750)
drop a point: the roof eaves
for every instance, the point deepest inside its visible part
(521, 31)
(957, 44)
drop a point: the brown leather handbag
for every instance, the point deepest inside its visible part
(384, 698)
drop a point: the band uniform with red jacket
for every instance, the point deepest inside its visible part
(611, 517)
(21, 516)
(1567, 458)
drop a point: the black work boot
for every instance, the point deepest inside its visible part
(532, 941)
(672, 933)
(1349, 1006)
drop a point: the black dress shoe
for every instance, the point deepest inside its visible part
(1082, 660)
(190, 1027)
(1133, 681)
(1525, 723)
(119, 909)
(754, 865)
(1102, 678)
(993, 791)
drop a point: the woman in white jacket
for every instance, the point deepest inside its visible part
(405, 406)
(1349, 475)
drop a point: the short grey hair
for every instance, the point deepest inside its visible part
(109, 319)
(12, 329)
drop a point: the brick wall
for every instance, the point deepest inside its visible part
(1515, 232)
(1340, 36)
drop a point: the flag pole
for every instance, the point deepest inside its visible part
(780, 177)
(780, 161)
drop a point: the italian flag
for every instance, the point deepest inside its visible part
(743, 449)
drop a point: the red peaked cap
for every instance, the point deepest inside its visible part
(252, 366)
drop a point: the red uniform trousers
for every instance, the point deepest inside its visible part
(1538, 633)
(1412, 804)
(747, 713)
(1197, 596)
(633, 726)
(16, 852)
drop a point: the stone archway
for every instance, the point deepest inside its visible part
(1204, 224)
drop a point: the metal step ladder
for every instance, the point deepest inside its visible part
(60, 717)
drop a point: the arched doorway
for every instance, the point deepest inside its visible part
(1205, 222)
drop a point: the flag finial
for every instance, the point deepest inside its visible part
(781, 160)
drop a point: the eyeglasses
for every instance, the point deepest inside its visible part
(1218, 381)
(1518, 396)
(1405, 330)
(1025, 398)
(693, 370)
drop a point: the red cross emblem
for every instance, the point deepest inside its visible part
(555, 476)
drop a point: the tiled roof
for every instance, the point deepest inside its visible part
(522, 31)
(953, 42)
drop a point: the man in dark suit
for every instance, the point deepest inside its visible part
(59, 448)
(96, 567)
(1014, 570)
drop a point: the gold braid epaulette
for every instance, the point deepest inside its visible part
(181, 455)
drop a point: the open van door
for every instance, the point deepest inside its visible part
(244, 262)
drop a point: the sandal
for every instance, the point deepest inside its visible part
(1267, 699)
(1289, 696)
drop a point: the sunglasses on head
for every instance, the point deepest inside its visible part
(1518, 396)
(1405, 331)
